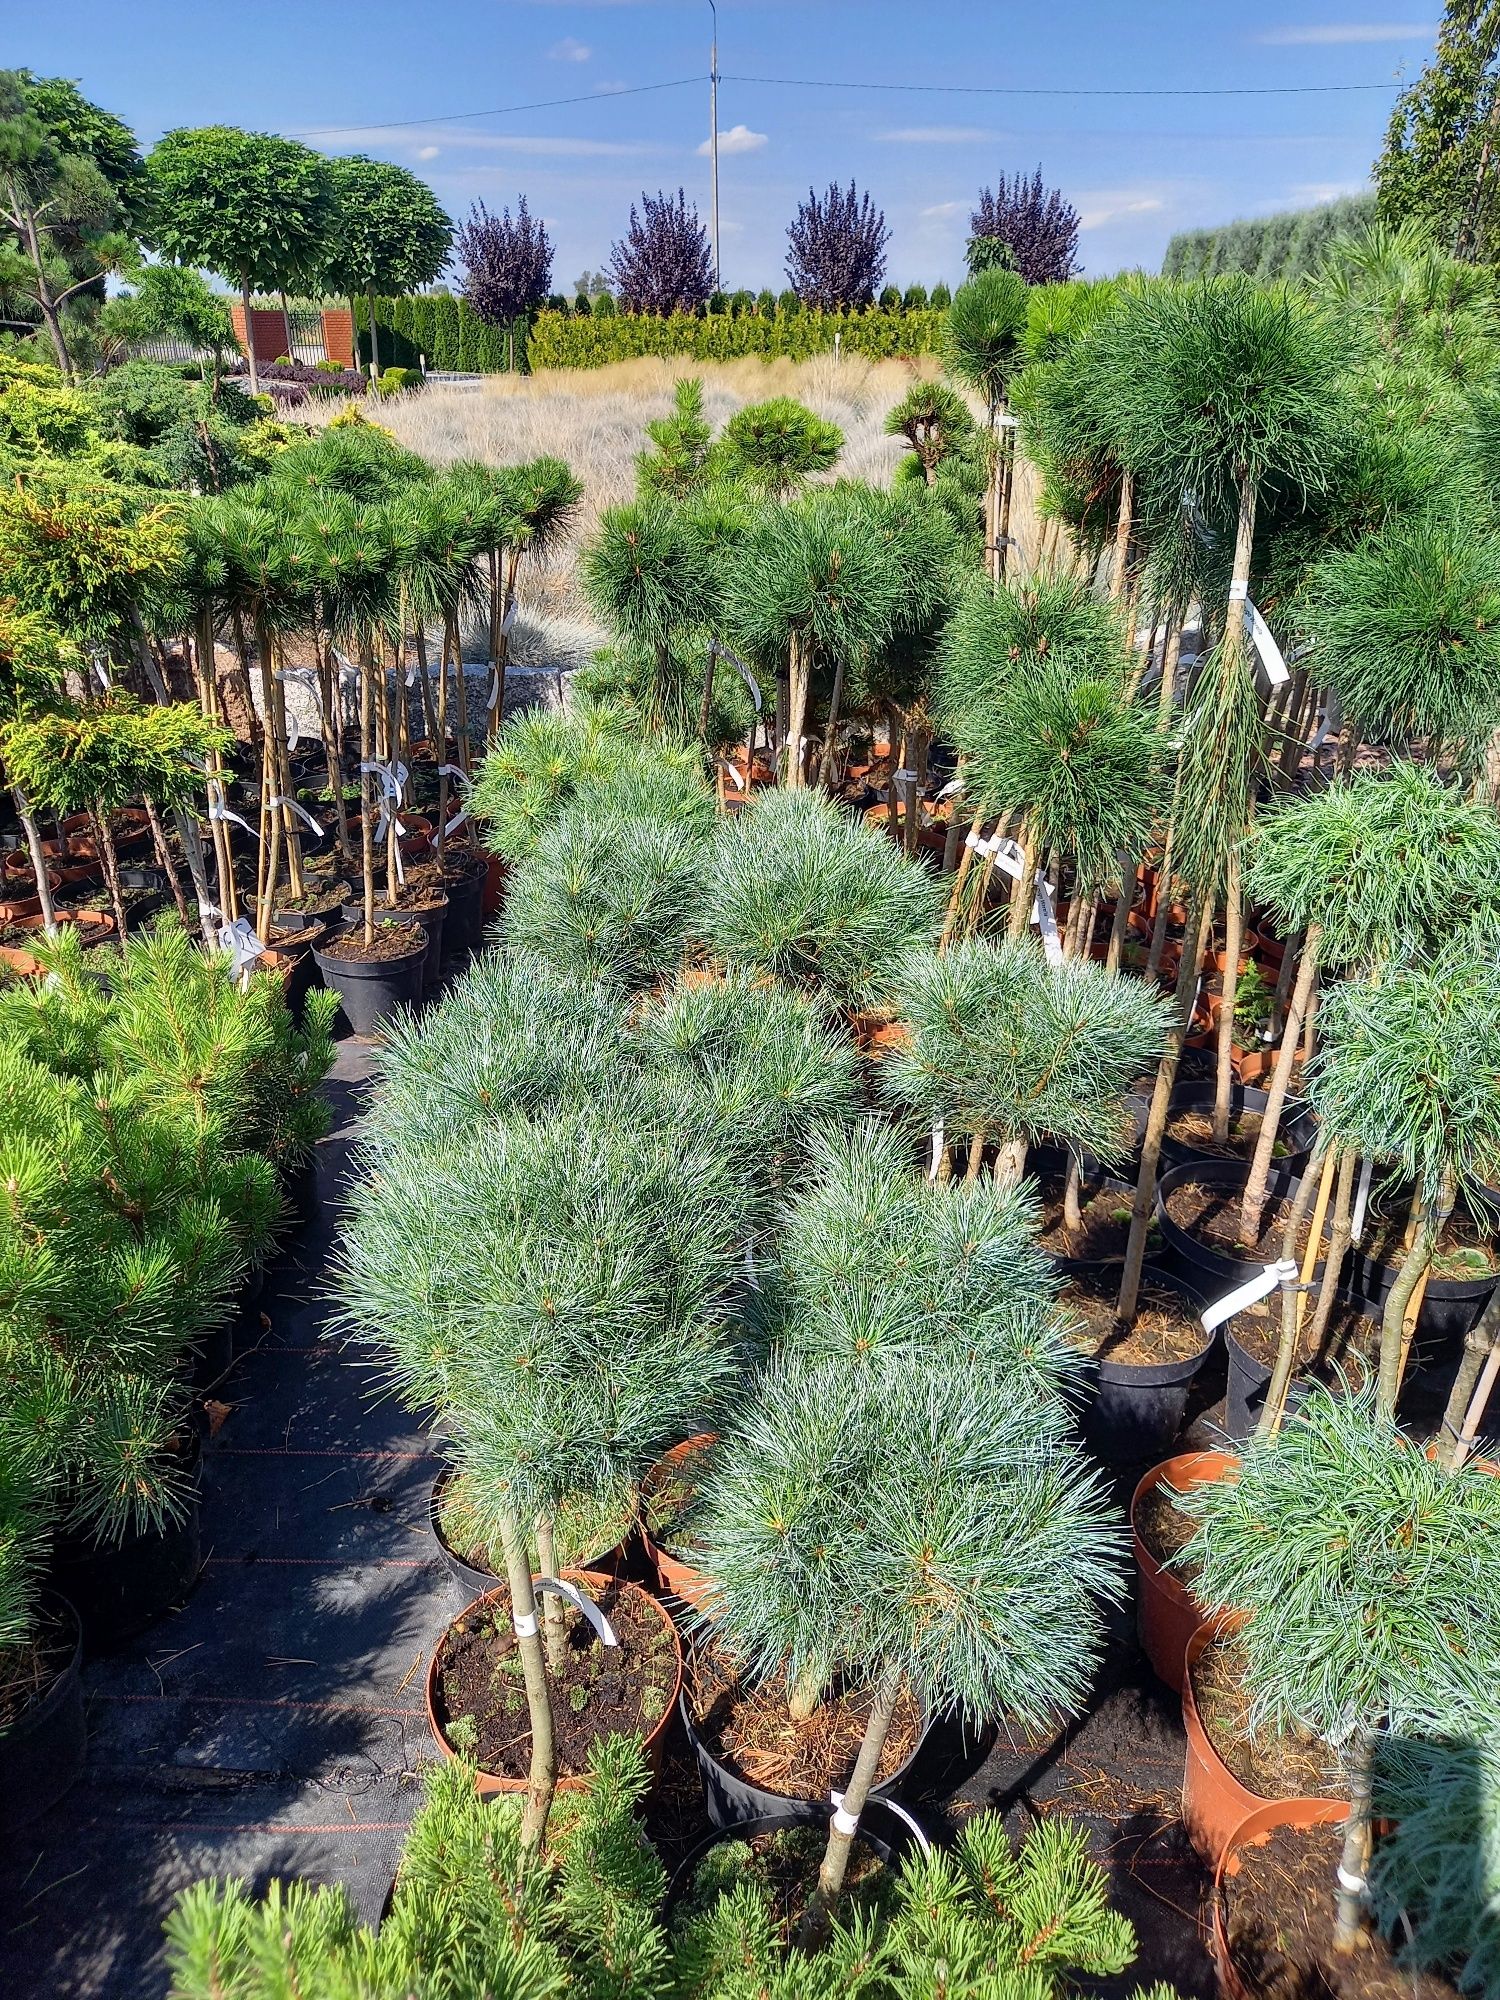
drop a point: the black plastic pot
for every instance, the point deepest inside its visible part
(121, 1588)
(1450, 1306)
(732, 1801)
(889, 1845)
(323, 909)
(1297, 1131)
(431, 922)
(464, 930)
(1212, 1270)
(1047, 1157)
(1136, 1409)
(42, 1753)
(1249, 1379)
(372, 990)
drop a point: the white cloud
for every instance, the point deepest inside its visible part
(1104, 205)
(570, 49)
(1335, 34)
(428, 152)
(738, 139)
(940, 211)
(935, 135)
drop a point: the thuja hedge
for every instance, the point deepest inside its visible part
(568, 340)
(447, 331)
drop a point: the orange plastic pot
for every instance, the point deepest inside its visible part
(1167, 1613)
(489, 1782)
(674, 1577)
(1253, 1831)
(22, 963)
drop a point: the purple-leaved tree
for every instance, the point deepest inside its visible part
(662, 263)
(1026, 227)
(837, 249)
(506, 266)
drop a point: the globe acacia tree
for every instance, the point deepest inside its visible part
(257, 208)
(388, 233)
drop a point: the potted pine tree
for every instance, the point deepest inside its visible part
(889, 1530)
(1386, 1629)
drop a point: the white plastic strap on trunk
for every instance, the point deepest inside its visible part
(223, 812)
(1362, 1198)
(845, 1823)
(1265, 1281)
(302, 813)
(938, 1143)
(1353, 1885)
(524, 1626)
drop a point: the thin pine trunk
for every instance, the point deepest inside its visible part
(1291, 1301)
(1481, 1342)
(1261, 1160)
(367, 782)
(814, 1928)
(1431, 1217)
(1349, 1924)
(33, 835)
(541, 1783)
(1234, 931)
(796, 722)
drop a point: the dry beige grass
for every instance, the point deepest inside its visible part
(595, 419)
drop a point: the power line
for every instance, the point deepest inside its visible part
(500, 111)
(1061, 89)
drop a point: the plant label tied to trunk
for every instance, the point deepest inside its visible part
(1265, 1281)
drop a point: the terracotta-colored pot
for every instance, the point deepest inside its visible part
(1213, 1800)
(1167, 1613)
(22, 963)
(1254, 1830)
(1254, 1067)
(15, 907)
(1218, 961)
(877, 1035)
(94, 924)
(487, 1781)
(674, 1577)
(494, 886)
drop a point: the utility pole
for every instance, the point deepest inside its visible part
(713, 137)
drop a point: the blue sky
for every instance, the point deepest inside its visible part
(394, 76)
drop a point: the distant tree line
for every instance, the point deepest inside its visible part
(1285, 246)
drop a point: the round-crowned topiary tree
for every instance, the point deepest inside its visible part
(1003, 1049)
(1369, 1577)
(388, 233)
(776, 447)
(795, 889)
(982, 346)
(890, 1526)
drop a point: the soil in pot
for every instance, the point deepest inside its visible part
(1167, 1327)
(1279, 1918)
(1465, 1250)
(1271, 1763)
(391, 941)
(585, 1531)
(1166, 1531)
(1212, 1215)
(1105, 1225)
(1351, 1343)
(782, 1863)
(321, 903)
(1195, 1129)
(479, 1697)
(750, 1729)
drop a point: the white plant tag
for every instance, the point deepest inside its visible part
(576, 1598)
(752, 685)
(240, 941)
(508, 622)
(1362, 1198)
(1265, 644)
(1265, 1281)
(938, 1143)
(733, 770)
(1043, 917)
(952, 788)
(302, 813)
(225, 814)
(1239, 591)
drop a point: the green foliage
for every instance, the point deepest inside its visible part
(1369, 1574)
(1070, 751)
(873, 1264)
(774, 447)
(935, 422)
(679, 464)
(1003, 1043)
(1388, 865)
(929, 1523)
(101, 756)
(985, 1918)
(1409, 1070)
(255, 208)
(1407, 624)
(1432, 170)
(89, 560)
(387, 228)
(563, 340)
(796, 890)
(607, 896)
(994, 634)
(542, 761)
(1435, 1876)
(1282, 247)
(473, 1915)
(983, 330)
(171, 301)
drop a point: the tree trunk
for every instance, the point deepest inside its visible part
(554, 1624)
(1156, 1117)
(815, 1924)
(796, 721)
(1253, 1204)
(254, 372)
(1291, 1301)
(1119, 573)
(367, 782)
(111, 861)
(1340, 1235)
(374, 334)
(1234, 931)
(33, 835)
(1022, 888)
(1349, 1924)
(1431, 1218)
(1120, 928)
(542, 1778)
(164, 856)
(835, 703)
(1481, 1342)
